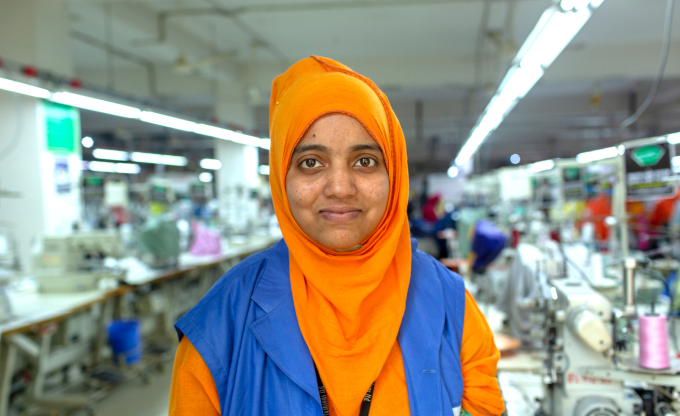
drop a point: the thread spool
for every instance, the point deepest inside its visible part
(654, 342)
(597, 265)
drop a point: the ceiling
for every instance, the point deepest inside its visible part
(439, 62)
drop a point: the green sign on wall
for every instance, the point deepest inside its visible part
(648, 155)
(62, 127)
(648, 164)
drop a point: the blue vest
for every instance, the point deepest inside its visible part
(246, 331)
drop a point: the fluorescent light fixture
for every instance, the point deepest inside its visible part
(213, 164)
(673, 138)
(110, 154)
(22, 88)
(541, 166)
(515, 159)
(175, 160)
(141, 157)
(554, 37)
(577, 5)
(478, 135)
(205, 177)
(521, 80)
(263, 169)
(110, 167)
(599, 154)
(94, 104)
(87, 142)
(167, 121)
(555, 29)
(224, 134)
(120, 110)
(452, 172)
(101, 166)
(130, 168)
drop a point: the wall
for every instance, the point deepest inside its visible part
(20, 170)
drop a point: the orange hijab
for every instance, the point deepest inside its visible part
(349, 305)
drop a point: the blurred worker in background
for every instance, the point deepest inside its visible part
(596, 211)
(663, 211)
(433, 208)
(344, 310)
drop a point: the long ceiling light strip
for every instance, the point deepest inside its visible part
(541, 166)
(141, 157)
(110, 154)
(157, 159)
(119, 110)
(25, 89)
(94, 104)
(167, 121)
(555, 29)
(598, 154)
(129, 168)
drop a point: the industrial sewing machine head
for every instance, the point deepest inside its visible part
(594, 363)
(76, 262)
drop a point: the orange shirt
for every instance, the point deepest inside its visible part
(596, 210)
(193, 391)
(663, 211)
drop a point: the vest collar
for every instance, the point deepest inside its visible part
(278, 331)
(419, 336)
(274, 285)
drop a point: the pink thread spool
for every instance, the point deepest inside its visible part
(654, 342)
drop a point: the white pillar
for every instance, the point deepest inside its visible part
(40, 153)
(236, 180)
(238, 176)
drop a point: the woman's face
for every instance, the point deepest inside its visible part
(337, 183)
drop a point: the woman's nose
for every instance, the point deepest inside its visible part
(340, 183)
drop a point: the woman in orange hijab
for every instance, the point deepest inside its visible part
(343, 316)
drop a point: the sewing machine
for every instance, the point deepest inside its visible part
(75, 262)
(590, 357)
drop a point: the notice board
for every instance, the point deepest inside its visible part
(647, 164)
(62, 128)
(573, 185)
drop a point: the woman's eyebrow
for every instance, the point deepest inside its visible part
(361, 147)
(307, 147)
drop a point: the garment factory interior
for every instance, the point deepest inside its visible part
(541, 138)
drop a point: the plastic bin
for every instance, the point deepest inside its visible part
(125, 337)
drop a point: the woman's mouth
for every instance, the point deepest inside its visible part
(340, 213)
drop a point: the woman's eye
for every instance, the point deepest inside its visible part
(310, 163)
(366, 162)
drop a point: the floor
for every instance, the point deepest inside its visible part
(138, 399)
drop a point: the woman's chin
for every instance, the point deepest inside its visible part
(341, 244)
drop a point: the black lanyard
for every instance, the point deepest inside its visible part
(365, 403)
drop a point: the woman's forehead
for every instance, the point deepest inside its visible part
(336, 130)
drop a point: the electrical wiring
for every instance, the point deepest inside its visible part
(662, 68)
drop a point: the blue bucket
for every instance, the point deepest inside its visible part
(125, 336)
